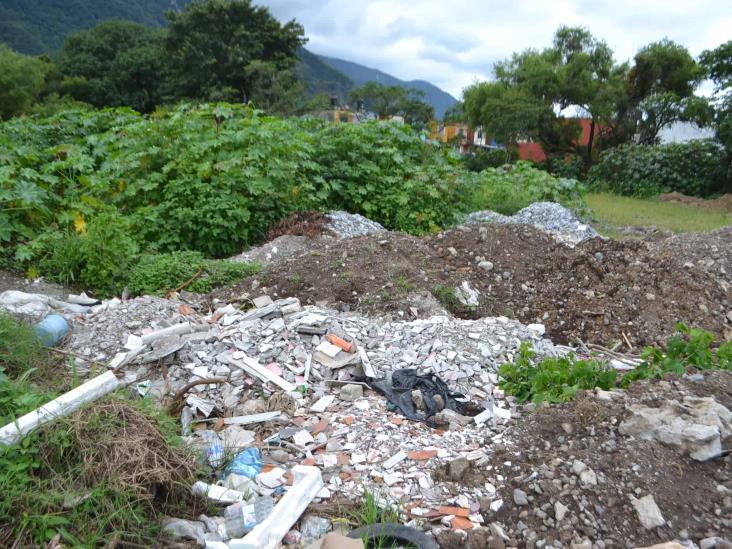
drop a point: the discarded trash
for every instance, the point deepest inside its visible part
(247, 463)
(313, 528)
(377, 534)
(62, 406)
(399, 393)
(214, 449)
(51, 330)
(242, 517)
(268, 533)
(218, 493)
(185, 529)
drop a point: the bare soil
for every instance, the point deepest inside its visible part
(602, 291)
(687, 491)
(723, 203)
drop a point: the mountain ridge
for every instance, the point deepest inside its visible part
(360, 74)
(37, 27)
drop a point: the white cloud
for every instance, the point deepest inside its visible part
(453, 43)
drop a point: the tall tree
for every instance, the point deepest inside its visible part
(212, 43)
(578, 74)
(662, 83)
(21, 81)
(115, 63)
(718, 66)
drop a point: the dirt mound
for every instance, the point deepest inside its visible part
(600, 291)
(723, 203)
(547, 453)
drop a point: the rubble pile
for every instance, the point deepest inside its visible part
(257, 359)
(550, 217)
(347, 225)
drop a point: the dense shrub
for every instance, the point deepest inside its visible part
(695, 168)
(207, 178)
(478, 159)
(510, 188)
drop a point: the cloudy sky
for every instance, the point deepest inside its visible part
(452, 43)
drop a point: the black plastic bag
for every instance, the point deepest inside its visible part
(406, 380)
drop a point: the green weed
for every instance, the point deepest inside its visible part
(552, 379)
(557, 380)
(403, 286)
(160, 273)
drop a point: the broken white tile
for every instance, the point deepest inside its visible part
(322, 404)
(302, 438)
(328, 349)
(393, 460)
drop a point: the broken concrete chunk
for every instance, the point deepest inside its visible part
(698, 426)
(649, 514)
(322, 404)
(349, 393)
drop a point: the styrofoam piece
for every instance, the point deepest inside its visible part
(217, 493)
(268, 533)
(254, 368)
(59, 407)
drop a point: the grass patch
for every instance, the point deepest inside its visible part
(104, 475)
(616, 211)
(158, 274)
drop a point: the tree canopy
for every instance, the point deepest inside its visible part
(388, 101)
(115, 63)
(578, 74)
(21, 81)
(212, 44)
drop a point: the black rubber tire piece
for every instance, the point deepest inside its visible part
(395, 532)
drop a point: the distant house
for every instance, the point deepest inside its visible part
(460, 134)
(531, 150)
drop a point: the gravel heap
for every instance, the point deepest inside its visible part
(553, 218)
(346, 225)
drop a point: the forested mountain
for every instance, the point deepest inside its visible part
(320, 77)
(439, 99)
(39, 26)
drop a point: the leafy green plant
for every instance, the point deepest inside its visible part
(552, 379)
(559, 379)
(695, 168)
(689, 348)
(160, 273)
(510, 188)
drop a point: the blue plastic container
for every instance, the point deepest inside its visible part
(51, 330)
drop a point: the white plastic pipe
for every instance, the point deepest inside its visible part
(93, 389)
(268, 533)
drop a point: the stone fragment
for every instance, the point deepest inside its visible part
(560, 511)
(588, 478)
(520, 498)
(486, 265)
(648, 512)
(697, 426)
(349, 393)
(458, 468)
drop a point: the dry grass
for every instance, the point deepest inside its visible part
(118, 444)
(308, 224)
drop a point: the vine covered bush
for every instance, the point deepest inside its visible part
(695, 168)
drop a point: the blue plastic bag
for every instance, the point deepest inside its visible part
(247, 463)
